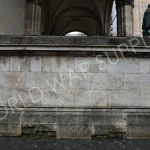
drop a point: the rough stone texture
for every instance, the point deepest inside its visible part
(125, 82)
(138, 126)
(75, 97)
(10, 123)
(75, 122)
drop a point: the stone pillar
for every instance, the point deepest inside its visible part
(125, 17)
(33, 17)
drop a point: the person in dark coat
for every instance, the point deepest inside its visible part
(146, 22)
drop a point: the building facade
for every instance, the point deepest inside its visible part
(73, 87)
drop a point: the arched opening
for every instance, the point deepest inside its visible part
(93, 17)
(60, 17)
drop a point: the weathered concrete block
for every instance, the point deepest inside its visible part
(82, 98)
(122, 98)
(108, 116)
(13, 80)
(31, 118)
(99, 98)
(48, 117)
(139, 118)
(74, 131)
(60, 98)
(10, 129)
(40, 80)
(90, 98)
(4, 64)
(10, 125)
(137, 81)
(90, 64)
(36, 64)
(126, 65)
(74, 80)
(107, 81)
(108, 122)
(39, 129)
(138, 126)
(29, 97)
(138, 132)
(73, 117)
(25, 64)
(58, 64)
(144, 65)
(21, 98)
(15, 63)
(108, 130)
(145, 98)
(132, 81)
(3, 100)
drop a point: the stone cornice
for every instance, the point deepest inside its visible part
(74, 46)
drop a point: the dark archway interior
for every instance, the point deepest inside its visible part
(92, 17)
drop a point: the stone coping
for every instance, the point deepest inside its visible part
(75, 109)
(77, 41)
(74, 46)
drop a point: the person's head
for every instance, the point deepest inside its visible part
(148, 5)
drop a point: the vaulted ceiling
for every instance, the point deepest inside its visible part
(93, 17)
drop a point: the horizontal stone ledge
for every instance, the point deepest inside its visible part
(74, 46)
(75, 41)
(73, 51)
(74, 109)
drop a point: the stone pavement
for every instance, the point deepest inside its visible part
(45, 143)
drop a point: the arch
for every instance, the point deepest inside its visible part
(90, 16)
(82, 9)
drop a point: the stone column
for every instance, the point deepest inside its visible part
(33, 17)
(125, 17)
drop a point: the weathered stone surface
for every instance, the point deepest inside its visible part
(80, 41)
(144, 65)
(39, 129)
(11, 80)
(4, 64)
(60, 98)
(15, 63)
(74, 80)
(90, 98)
(108, 116)
(137, 81)
(124, 65)
(145, 98)
(80, 131)
(138, 132)
(36, 64)
(75, 122)
(58, 64)
(57, 93)
(40, 80)
(108, 130)
(90, 64)
(107, 81)
(124, 98)
(10, 129)
(25, 64)
(10, 123)
(138, 126)
(73, 117)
